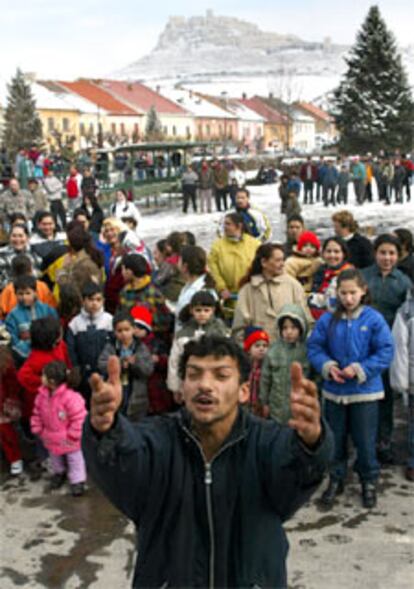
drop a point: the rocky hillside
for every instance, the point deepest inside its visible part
(210, 44)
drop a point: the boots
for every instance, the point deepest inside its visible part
(369, 495)
(335, 487)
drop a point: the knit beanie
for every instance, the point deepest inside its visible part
(253, 334)
(142, 317)
(308, 237)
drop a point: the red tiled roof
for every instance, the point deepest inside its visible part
(141, 97)
(91, 91)
(315, 111)
(269, 114)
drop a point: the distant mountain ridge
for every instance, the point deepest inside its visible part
(195, 45)
(229, 55)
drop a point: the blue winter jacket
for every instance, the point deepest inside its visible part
(365, 341)
(18, 322)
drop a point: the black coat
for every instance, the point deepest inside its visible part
(361, 251)
(216, 524)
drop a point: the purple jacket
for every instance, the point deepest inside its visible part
(58, 419)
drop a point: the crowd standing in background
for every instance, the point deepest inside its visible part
(78, 285)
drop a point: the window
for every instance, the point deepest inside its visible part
(220, 130)
(91, 127)
(188, 131)
(136, 129)
(208, 130)
(65, 125)
(123, 129)
(82, 129)
(50, 124)
(174, 130)
(113, 128)
(200, 131)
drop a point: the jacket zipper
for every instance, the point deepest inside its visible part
(208, 481)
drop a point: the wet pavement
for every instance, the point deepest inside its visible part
(52, 540)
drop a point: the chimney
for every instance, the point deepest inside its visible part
(190, 93)
(244, 96)
(157, 89)
(270, 94)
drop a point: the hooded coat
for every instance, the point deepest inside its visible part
(58, 419)
(275, 380)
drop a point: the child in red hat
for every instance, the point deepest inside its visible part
(256, 345)
(160, 398)
(305, 260)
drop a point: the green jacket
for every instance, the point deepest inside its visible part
(275, 377)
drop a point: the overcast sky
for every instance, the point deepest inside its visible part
(75, 38)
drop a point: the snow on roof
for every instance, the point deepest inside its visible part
(196, 104)
(242, 111)
(72, 99)
(99, 96)
(44, 98)
(142, 97)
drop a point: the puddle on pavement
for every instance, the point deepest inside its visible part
(17, 578)
(323, 522)
(354, 522)
(97, 525)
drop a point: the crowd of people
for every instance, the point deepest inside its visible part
(78, 285)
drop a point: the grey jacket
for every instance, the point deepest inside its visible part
(402, 367)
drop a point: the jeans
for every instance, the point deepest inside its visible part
(189, 193)
(360, 420)
(308, 191)
(221, 196)
(58, 211)
(386, 413)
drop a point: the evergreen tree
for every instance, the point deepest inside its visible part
(373, 105)
(22, 126)
(153, 129)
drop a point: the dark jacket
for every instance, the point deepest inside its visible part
(361, 251)
(387, 293)
(200, 524)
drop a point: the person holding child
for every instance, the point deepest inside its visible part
(304, 260)
(350, 348)
(58, 416)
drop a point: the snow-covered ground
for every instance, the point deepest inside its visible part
(374, 218)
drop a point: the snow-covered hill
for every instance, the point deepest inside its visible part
(222, 54)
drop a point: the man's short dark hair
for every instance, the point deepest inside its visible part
(296, 217)
(245, 190)
(43, 215)
(90, 289)
(217, 346)
(123, 315)
(24, 282)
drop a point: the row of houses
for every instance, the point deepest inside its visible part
(77, 112)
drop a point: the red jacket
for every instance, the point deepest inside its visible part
(29, 375)
(314, 172)
(9, 391)
(72, 187)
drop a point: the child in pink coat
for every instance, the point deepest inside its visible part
(58, 416)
